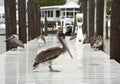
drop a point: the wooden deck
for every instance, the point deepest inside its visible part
(87, 67)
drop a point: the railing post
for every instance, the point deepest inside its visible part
(10, 19)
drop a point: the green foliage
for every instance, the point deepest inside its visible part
(50, 2)
(79, 1)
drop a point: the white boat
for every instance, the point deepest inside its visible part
(2, 28)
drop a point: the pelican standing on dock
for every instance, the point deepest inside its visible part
(88, 39)
(97, 43)
(41, 40)
(49, 55)
(14, 42)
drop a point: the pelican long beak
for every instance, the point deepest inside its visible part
(9, 38)
(67, 48)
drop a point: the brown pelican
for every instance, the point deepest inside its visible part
(14, 42)
(41, 39)
(97, 42)
(49, 55)
(88, 39)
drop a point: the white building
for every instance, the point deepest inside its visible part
(56, 15)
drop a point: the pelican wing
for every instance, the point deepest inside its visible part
(19, 43)
(47, 55)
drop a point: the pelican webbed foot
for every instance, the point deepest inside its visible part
(51, 69)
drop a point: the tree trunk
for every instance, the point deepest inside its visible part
(35, 20)
(85, 17)
(22, 20)
(115, 31)
(99, 19)
(106, 30)
(81, 6)
(62, 26)
(91, 18)
(10, 13)
(38, 21)
(31, 31)
(46, 24)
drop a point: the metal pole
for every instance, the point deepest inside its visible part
(45, 23)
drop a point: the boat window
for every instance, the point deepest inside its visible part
(69, 15)
(45, 13)
(48, 13)
(57, 13)
(69, 9)
(51, 13)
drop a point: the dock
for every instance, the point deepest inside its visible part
(87, 66)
